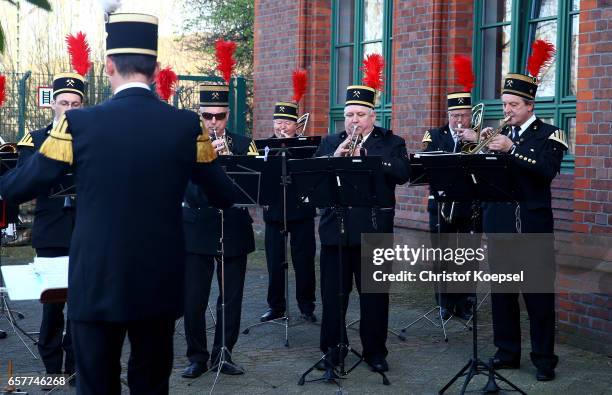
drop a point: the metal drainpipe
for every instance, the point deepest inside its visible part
(22, 103)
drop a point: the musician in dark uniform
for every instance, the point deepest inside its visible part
(52, 228)
(536, 149)
(359, 117)
(451, 138)
(132, 157)
(300, 225)
(202, 225)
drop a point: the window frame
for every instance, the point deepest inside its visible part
(562, 105)
(383, 108)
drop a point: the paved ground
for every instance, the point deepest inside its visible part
(421, 364)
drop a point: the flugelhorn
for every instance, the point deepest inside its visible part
(488, 137)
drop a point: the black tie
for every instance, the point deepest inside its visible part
(515, 133)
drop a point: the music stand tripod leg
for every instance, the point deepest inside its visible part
(222, 358)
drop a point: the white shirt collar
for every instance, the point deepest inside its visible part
(128, 85)
(528, 123)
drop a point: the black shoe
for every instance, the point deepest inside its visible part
(545, 374)
(229, 368)
(310, 317)
(445, 313)
(195, 369)
(499, 363)
(272, 314)
(379, 365)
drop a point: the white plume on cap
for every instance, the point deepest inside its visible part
(110, 6)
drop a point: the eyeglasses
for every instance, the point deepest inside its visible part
(209, 115)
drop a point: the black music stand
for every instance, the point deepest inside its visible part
(341, 183)
(245, 172)
(468, 178)
(8, 160)
(276, 152)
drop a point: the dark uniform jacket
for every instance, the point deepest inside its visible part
(52, 227)
(202, 223)
(441, 139)
(392, 149)
(537, 159)
(132, 158)
(295, 211)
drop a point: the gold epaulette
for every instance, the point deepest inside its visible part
(252, 149)
(559, 136)
(206, 152)
(58, 145)
(26, 141)
(426, 137)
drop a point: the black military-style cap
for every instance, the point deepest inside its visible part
(68, 83)
(214, 95)
(286, 110)
(360, 95)
(520, 85)
(459, 101)
(134, 34)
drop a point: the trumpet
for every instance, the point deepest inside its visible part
(227, 142)
(354, 143)
(302, 122)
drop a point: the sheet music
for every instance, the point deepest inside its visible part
(27, 282)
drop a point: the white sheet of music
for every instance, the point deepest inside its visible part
(26, 282)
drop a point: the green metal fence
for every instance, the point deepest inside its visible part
(21, 113)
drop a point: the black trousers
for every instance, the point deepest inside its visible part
(98, 348)
(303, 249)
(453, 235)
(199, 271)
(374, 307)
(52, 342)
(540, 306)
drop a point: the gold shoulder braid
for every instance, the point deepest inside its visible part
(26, 141)
(559, 136)
(206, 152)
(426, 137)
(58, 145)
(252, 149)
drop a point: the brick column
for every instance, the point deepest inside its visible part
(291, 34)
(426, 35)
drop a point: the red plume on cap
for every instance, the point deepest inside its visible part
(300, 81)
(541, 55)
(2, 89)
(463, 72)
(373, 68)
(224, 52)
(79, 51)
(165, 83)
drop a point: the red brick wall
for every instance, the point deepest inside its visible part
(586, 319)
(426, 36)
(593, 179)
(291, 34)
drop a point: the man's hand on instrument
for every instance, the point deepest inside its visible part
(486, 132)
(218, 145)
(342, 149)
(467, 134)
(501, 143)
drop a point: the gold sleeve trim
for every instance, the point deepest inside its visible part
(58, 145)
(252, 149)
(205, 151)
(559, 136)
(26, 141)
